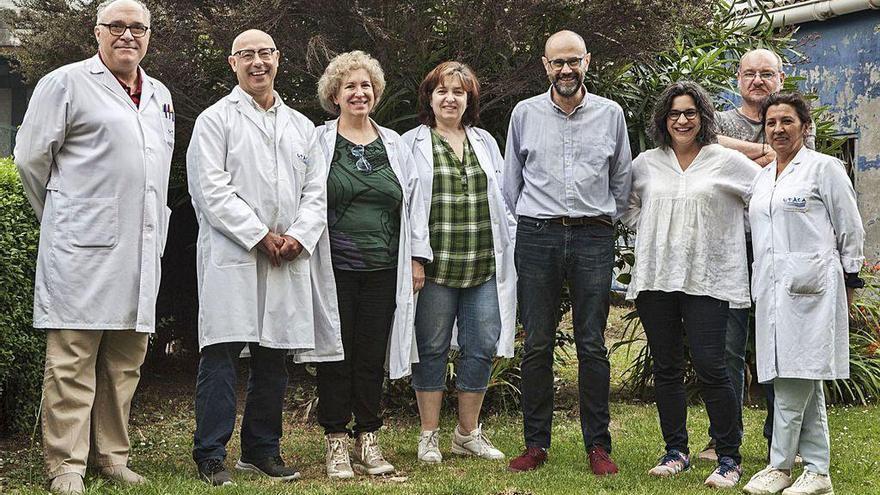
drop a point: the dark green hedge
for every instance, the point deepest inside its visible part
(21, 347)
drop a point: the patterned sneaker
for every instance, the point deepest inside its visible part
(270, 467)
(367, 457)
(671, 464)
(726, 475)
(337, 461)
(600, 462)
(475, 443)
(429, 447)
(810, 483)
(768, 481)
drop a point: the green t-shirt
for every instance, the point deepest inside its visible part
(363, 208)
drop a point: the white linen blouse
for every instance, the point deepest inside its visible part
(691, 224)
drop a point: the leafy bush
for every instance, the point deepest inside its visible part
(21, 352)
(863, 385)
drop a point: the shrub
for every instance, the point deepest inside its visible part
(21, 352)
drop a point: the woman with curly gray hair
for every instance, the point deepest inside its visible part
(688, 206)
(378, 238)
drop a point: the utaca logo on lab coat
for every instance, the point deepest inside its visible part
(795, 203)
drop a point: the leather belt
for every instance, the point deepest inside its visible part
(579, 221)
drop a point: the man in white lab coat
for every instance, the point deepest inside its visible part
(258, 183)
(94, 153)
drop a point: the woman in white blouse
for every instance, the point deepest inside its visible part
(687, 206)
(808, 240)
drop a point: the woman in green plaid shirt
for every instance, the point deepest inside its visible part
(471, 284)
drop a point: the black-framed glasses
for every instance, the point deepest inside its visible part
(689, 114)
(362, 164)
(249, 54)
(572, 63)
(118, 29)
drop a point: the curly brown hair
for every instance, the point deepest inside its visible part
(659, 132)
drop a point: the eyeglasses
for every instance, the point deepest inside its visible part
(362, 164)
(572, 63)
(765, 76)
(689, 114)
(248, 54)
(118, 29)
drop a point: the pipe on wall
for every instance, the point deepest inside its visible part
(812, 10)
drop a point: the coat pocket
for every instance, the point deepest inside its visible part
(807, 274)
(226, 252)
(92, 222)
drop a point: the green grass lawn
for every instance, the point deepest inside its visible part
(162, 425)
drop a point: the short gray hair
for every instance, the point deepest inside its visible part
(107, 3)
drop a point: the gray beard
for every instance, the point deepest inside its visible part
(567, 91)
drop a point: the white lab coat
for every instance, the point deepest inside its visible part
(414, 243)
(503, 222)
(244, 182)
(95, 169)
(806, 232)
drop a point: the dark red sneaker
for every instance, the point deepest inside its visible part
(531, 458)
(600, 462)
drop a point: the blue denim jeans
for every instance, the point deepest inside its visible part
(479, 327)
(215, 401)
(547, 256)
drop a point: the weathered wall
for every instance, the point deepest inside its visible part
(842, 65)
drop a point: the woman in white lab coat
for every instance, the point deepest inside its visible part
(471, 284)
(378, 240)
(808, 238)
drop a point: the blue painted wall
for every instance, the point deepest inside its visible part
(842, 65)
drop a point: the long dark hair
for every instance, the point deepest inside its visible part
(658, 130)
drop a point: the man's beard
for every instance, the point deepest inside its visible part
(568, 87)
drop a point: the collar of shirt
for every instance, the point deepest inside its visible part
(578, 107)
(250, 99)
(138, 85)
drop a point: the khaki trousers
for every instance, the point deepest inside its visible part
(90, 378)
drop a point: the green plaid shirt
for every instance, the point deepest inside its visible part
(460, 226)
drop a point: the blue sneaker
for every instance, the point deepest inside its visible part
(726, 475)
(671, 464)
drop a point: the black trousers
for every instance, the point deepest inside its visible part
(668, 318)
(353, 387)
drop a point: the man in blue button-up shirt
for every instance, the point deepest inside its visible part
(567, 177)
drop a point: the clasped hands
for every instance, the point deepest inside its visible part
(279, 247)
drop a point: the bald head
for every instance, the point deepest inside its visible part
(110, 5)
(564, 38)
(252, 38)
(761, 56)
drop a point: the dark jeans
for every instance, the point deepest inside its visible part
(768, 421)
(668, 318)
(354, 386)
(736, 342)
(215, 401)
(548, 255)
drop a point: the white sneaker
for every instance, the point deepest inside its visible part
(767, 482)
(429, 447)
(367, 457)
(476, 443)
(810, 483)
(337, 462)
(122, 474)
